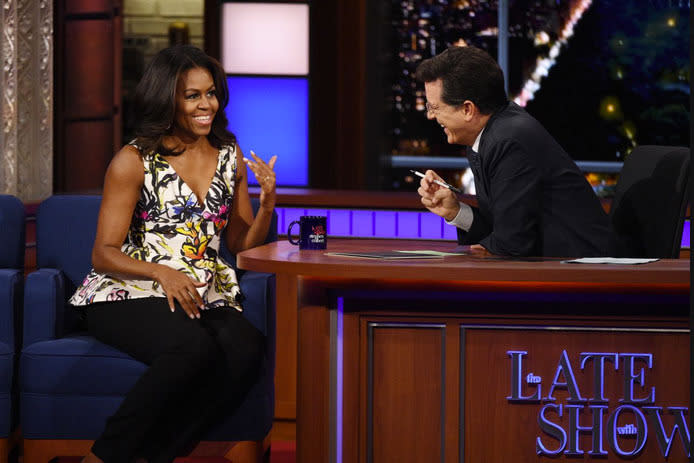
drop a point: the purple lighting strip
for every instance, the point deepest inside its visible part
(685, 233)
(364, 223)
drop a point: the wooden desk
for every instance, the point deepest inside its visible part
(439, 360)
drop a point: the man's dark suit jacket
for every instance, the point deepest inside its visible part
(532, 198)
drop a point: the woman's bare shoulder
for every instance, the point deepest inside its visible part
(127, 164)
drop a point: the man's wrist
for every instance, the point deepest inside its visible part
(450, 217)
(463, 219)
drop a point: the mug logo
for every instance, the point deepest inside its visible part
(312, 232)
(317, 235)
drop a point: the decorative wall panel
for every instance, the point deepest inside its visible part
(26, 107)
(405, 392)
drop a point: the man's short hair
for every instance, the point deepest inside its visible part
(467, 73)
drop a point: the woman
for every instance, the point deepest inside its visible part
(159, 289)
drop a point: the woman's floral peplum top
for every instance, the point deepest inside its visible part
(171, 227)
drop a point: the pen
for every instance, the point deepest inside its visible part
(439, 182)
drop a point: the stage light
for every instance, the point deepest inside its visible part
(610, 108)
(265, 38)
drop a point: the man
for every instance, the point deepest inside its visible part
(532, 199)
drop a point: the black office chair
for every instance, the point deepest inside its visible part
(650, 203)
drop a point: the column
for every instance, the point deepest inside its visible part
(26, 106)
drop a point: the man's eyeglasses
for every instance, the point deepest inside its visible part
(431, 109)
(434, 109)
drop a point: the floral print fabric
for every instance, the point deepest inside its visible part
(170, 226)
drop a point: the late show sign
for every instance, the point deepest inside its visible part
(620, 424)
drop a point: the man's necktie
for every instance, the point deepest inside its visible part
(473, 158)
(475, 161)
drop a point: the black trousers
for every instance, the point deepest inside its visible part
(199, 371)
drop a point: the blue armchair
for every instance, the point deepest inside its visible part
(12, 227)
(70, 382)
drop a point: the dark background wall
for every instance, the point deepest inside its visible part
(87, 104)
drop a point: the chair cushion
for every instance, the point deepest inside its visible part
(6, 422)
(6, 367)
(44, 416)
(78, 365)
(11, 297)
(70, 386)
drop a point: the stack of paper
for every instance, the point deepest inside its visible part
(610, 260)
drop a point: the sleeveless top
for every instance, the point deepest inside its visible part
(171, 227)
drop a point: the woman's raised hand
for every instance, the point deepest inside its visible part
(265, 175)
(177, 285)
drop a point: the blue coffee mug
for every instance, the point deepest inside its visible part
(312, 232)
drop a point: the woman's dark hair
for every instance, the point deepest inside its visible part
(467, 73)
(155, 98)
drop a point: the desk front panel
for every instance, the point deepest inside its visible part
(485, 387)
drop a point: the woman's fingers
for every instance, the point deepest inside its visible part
(265, 168)
(258, 165)
(197, 300)
(182, 301)
(182, 288)
(264, 173)
(257, 159)
(189, 298)
(187, 302)
(255, 168)
(251, 165)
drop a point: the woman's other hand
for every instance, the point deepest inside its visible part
(177, 285)
(246, 229)
(265, 175)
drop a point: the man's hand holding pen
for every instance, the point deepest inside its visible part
(438, 199)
